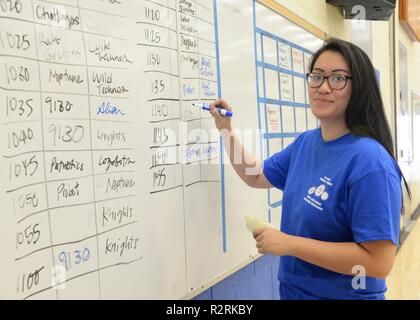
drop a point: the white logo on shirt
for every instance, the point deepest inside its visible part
(317, 195)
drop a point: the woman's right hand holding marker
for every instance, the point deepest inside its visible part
(222, 122)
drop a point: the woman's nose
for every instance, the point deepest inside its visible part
(325, 87)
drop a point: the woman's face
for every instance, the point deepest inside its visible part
(328, 104)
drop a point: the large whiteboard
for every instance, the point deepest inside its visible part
(113, 185)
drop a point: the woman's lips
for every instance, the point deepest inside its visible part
(323, 101)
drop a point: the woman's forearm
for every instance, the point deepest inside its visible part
(340, 257)
(246, 165)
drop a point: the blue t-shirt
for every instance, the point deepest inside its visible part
(345, 190)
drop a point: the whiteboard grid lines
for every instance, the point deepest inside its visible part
(96, 235)
(84, 274)
(74, 205)
(180, 110)
(202, 181)
(159, 4)
(63, 92)
(155, 25)
(65, 150)
(81, 190)
(168, 189)
(155, 46)
(82, 8)
(162, 72)
(72, 30)
(61, 63)
(43, 143)
(72, 119)
(165, 120)
(68, 179)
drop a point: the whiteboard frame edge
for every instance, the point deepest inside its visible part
(220, 278)
(293, 17)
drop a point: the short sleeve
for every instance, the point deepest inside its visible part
(276, 167)
(374, 207)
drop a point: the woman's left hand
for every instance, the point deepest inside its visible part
(272, 241)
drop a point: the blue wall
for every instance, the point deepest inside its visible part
(258, 280)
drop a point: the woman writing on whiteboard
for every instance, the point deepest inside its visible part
(342, 186)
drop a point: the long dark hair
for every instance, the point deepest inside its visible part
(365, 115)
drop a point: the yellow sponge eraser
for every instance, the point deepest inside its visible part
(254, 222)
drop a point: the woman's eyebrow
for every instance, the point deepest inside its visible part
(341, 70)
(335, 70)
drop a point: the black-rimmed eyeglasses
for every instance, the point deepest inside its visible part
(336, 81)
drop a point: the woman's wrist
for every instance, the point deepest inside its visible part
(226, 132)
(291, 241)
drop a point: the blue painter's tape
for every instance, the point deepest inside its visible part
(284, 103)
(222, 168)
(270, 136)
(280, 69)
(256, 78)
(284, 41)
(276, 204)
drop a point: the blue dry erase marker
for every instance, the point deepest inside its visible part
(205, 106)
